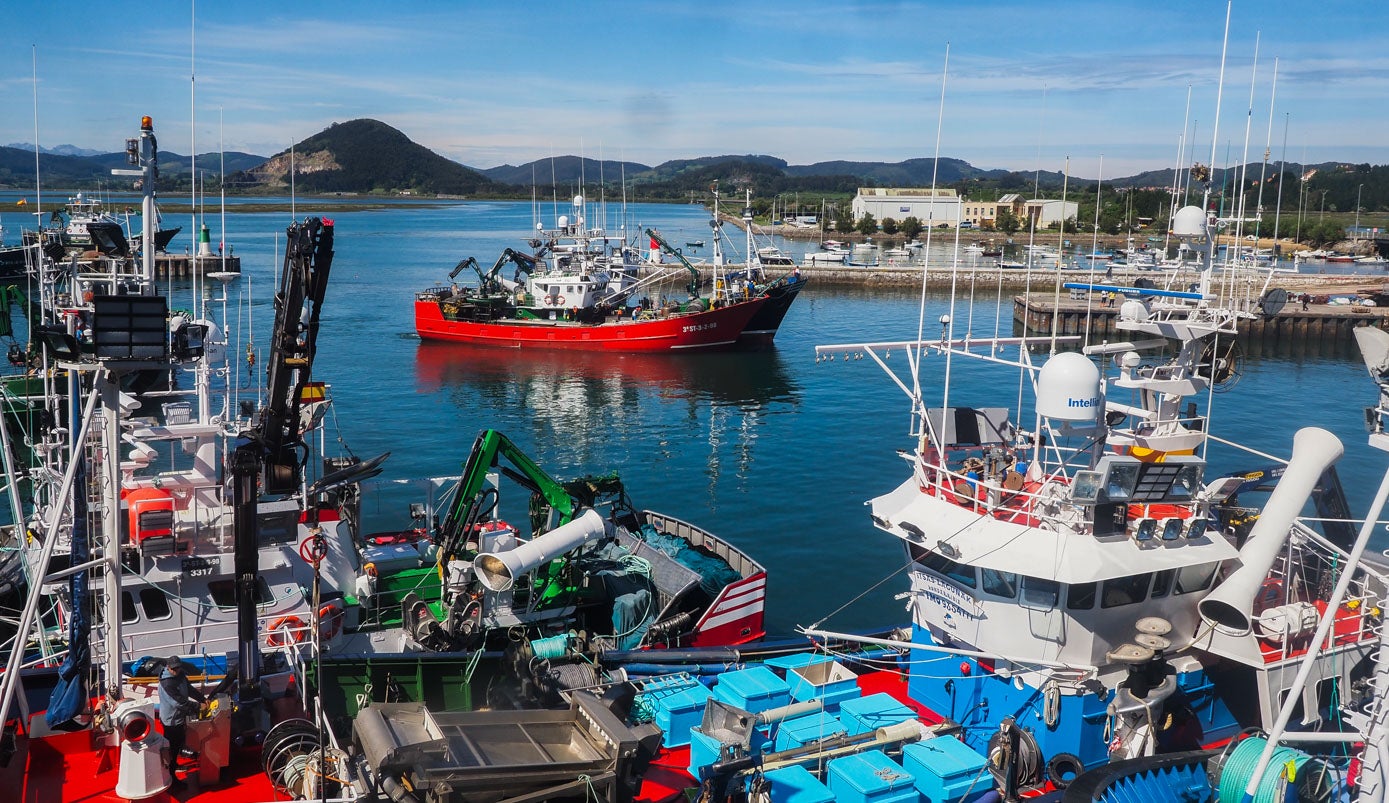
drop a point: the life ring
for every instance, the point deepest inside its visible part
(557, 301)
(277, 638)
(330, 617)
(1064, 768)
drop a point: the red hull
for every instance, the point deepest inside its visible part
(712, 329)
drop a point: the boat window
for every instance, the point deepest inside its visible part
(223, 592)
(128, 611)
(1195, 578)
(154, 604)
(1162, 583)
(999, 584)
(1040, 593)
(1125, 590)
(1081, 596)
(959, 572)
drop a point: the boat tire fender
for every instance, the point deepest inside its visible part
(1063, 768)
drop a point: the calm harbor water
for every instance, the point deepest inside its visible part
(772, 450)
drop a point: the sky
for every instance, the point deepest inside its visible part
(1026, 85)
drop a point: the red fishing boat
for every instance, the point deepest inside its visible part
(578, 293)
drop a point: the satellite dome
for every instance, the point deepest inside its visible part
(1189, 221)
(1068, 388)
(1133, 310)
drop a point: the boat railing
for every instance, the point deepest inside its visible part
(1358, 618)
(988, 495)
(736, 558)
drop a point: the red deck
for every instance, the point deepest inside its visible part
(67, 768)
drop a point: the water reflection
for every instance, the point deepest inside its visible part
(586, 411)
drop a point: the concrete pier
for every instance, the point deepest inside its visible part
(182, 266)
(1324, 326)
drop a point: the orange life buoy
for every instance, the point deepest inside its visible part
(330, 617)
(277, 637)
(559, 301)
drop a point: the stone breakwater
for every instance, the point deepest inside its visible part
(1044, 280)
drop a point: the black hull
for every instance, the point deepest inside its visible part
(764, 324)
(12, 264)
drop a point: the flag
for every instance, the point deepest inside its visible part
(21, 202)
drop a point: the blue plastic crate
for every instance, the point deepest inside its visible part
(678, 712)
(830, 681)
(755, 690)
(945, 768)
(797, 785)
(866, 714)
(803, 730)
(796, 659)
(870, 777)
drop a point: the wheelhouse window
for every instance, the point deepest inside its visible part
(1195, 578)
(959, 572)
(1081, 596)
(223, 593)
(1125, 590)
(1162, 583)
(154, 604)
(999, 584)
(1040, 593)
(129, 613)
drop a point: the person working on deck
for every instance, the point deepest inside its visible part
(176, 704)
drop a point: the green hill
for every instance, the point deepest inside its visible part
(365, 156)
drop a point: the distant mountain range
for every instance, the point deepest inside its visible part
(77, 172)
(61, 150)
(369, 156)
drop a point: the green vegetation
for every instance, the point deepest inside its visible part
(370, 158)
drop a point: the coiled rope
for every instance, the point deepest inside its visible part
(1239, 768)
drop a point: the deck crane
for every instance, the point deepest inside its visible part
(669, 249)
(269, 457)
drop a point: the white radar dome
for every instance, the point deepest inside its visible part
(1068, 388)
(578, 200)
(1133, 311)
(563, 221)
(1189, 221)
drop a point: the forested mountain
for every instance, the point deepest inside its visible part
(564, 170)
(80, 172)
(362, 156)
(369, 156)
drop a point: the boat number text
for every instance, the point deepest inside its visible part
(197, 567)
(700, 327)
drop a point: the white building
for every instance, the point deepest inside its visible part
(1048, 213)
(931, 207)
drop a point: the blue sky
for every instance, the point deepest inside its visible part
(1029, 83)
